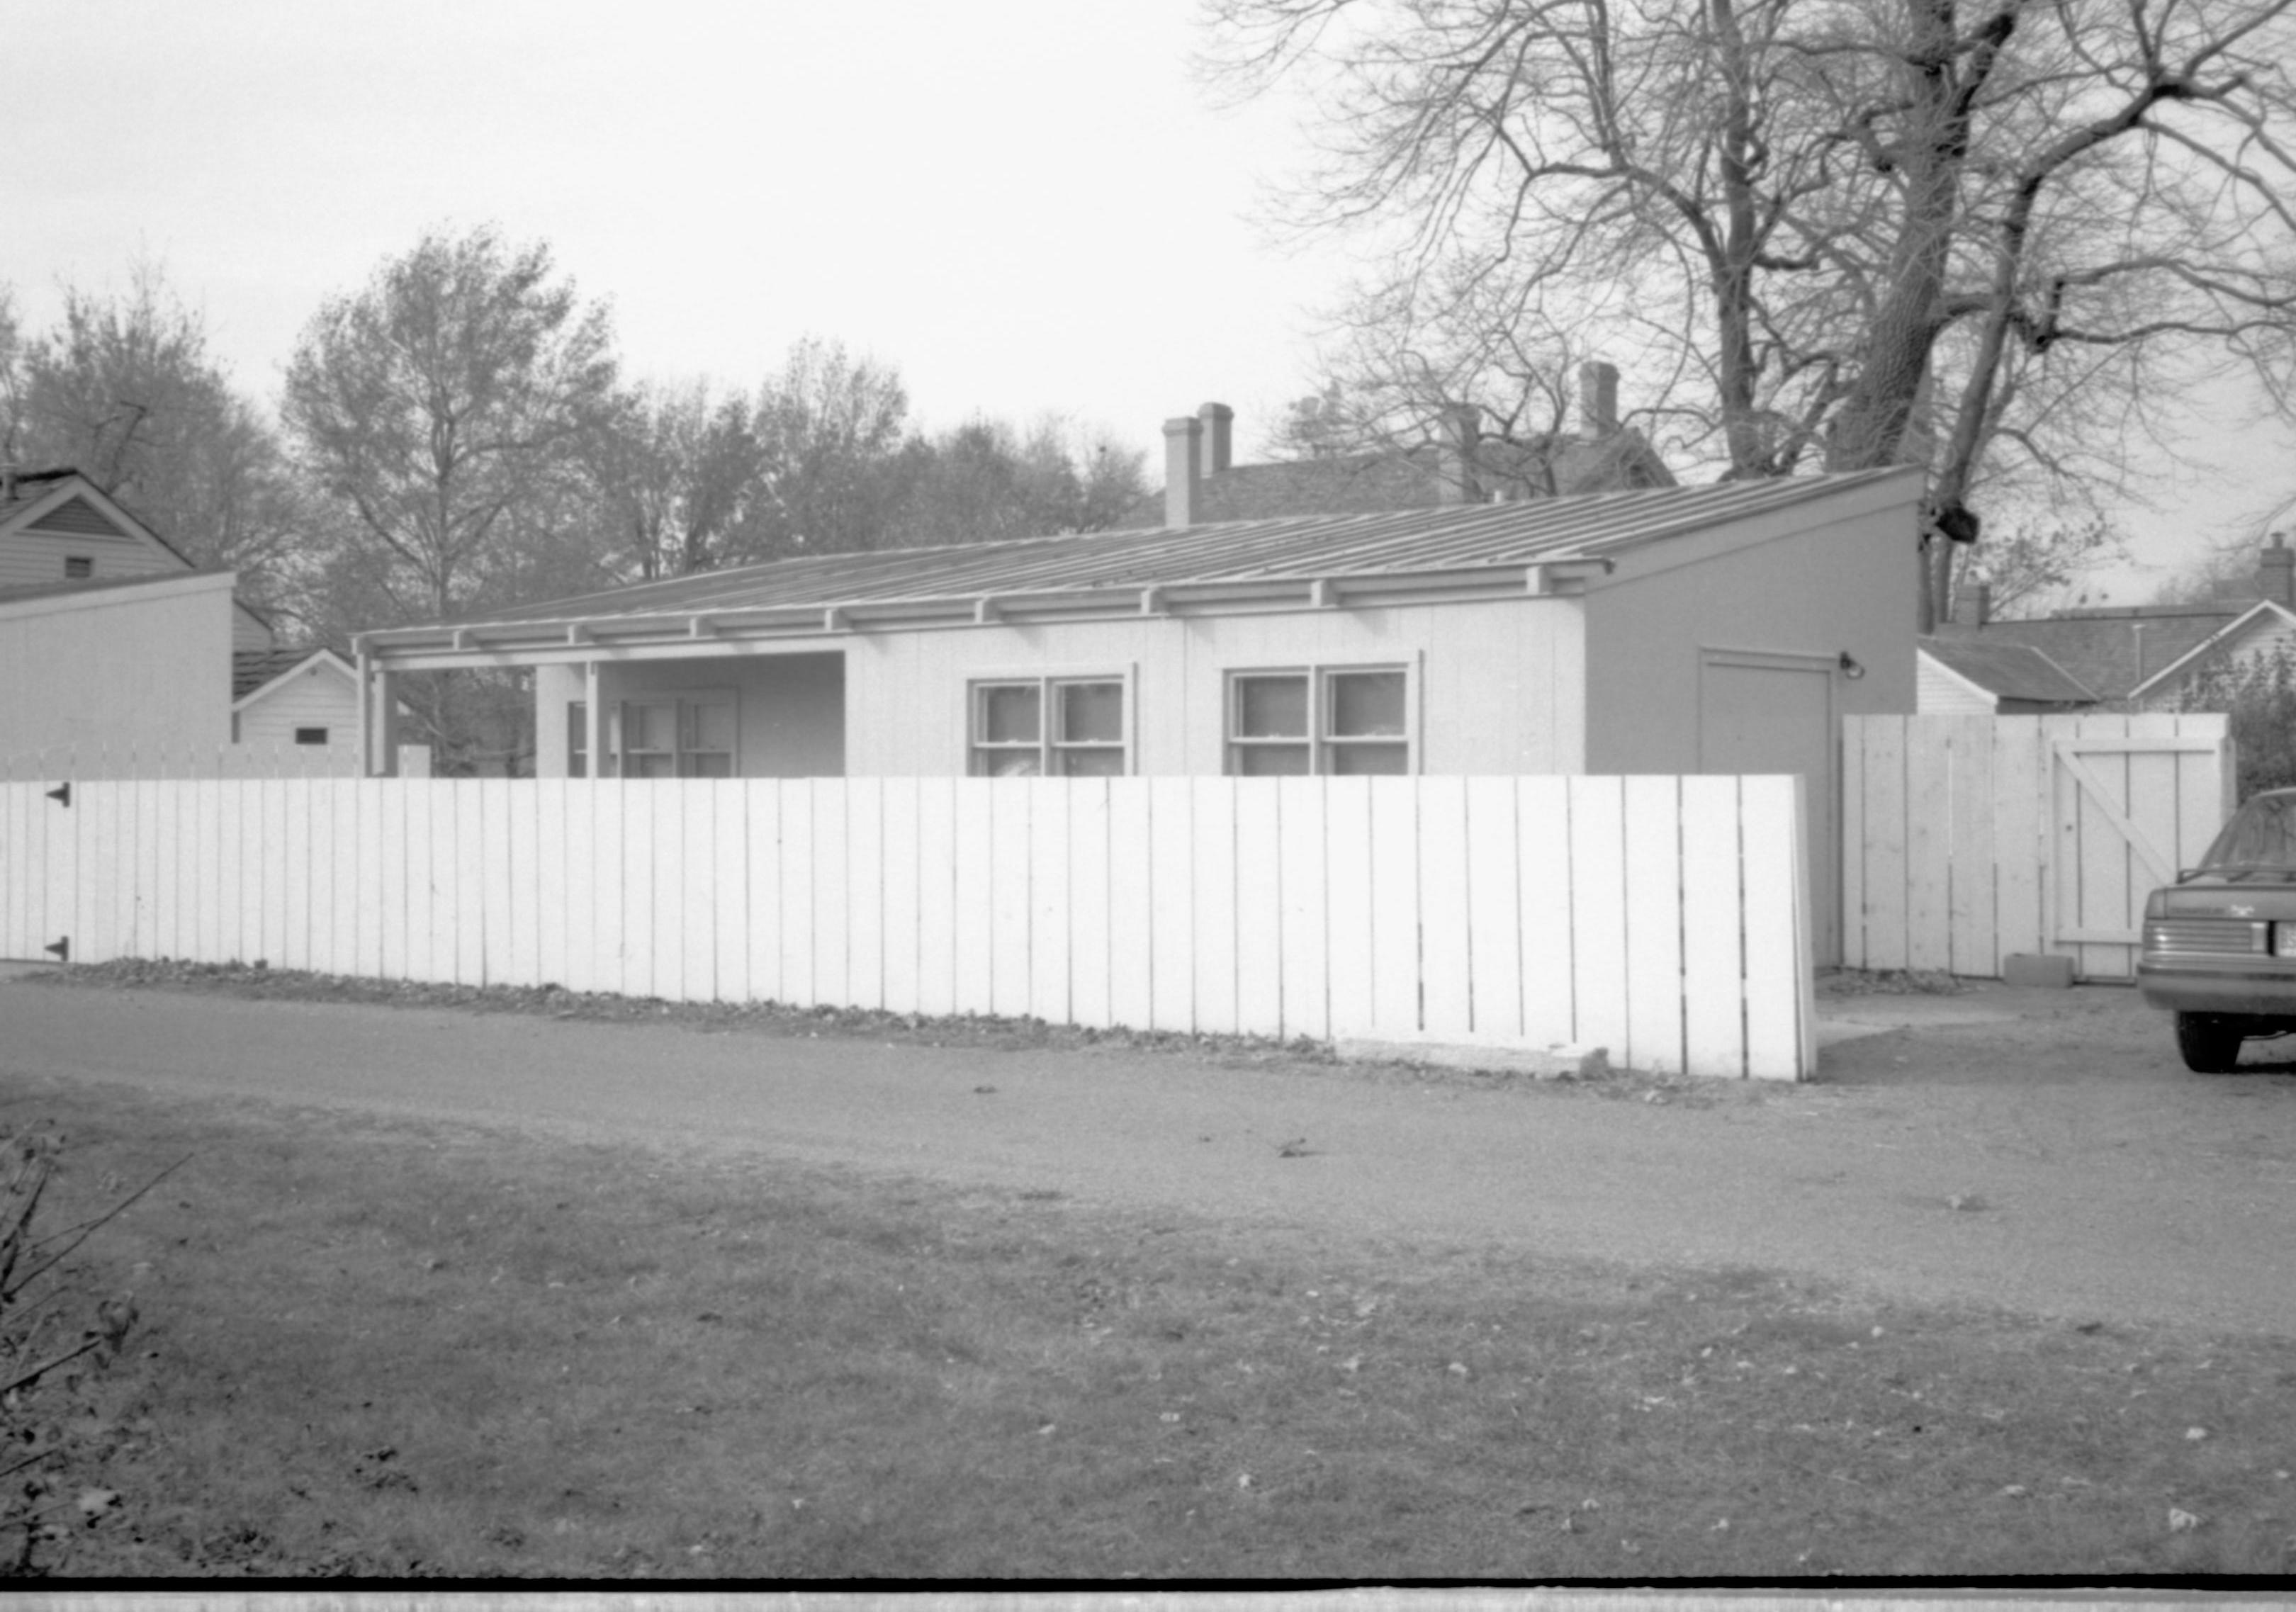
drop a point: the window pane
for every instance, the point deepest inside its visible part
(708, 764)
(1090, 764)
(1356, 760)
(1271, 760)
(1009, 714)
(1366, 703)
(1009, 764)
(578, 728)
(713, 726)
(1092, 713)
(651, 727)
(650, 766)
(1271, 708)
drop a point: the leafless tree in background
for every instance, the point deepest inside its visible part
(1997, 239)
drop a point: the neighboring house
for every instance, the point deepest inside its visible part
(1964, 677)
(116, 654)
(1714, 629)
(2147, 657)
(1602, 456)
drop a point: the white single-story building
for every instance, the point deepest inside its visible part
(1714, 629)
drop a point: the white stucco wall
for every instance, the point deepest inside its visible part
(110, 671)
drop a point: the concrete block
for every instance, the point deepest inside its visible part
(1560, 1062)
(2033, 968)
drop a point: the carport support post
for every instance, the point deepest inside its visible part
(594, 720)
(383, 721)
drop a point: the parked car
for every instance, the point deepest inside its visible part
(2219, 948)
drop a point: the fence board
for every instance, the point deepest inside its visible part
(1598, 913)
(903, 876)
(1348, 906)
(1713, 902)
(1393, 843)
(1929, 855)
(505, 896)
(1258, 886)
(1132, 981)
(798, 892)
(973, 923)
(1303, 946)
(1544, 869)
(1494, 915)
(1507, 911)
(832, 892)
(939, 866)
(1780, 1017)
(1009, 800)
(1089, 871)
(1446, 959)
(1887, 866)
(730, 868)
(2022, 835)
(1171, 895)
(1971, 861)
(761, 806)
(610, 852)
(865, 893)
(1654, 883)
(1211, 857)
(1049, 939)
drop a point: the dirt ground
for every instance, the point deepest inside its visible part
(2041, 1151)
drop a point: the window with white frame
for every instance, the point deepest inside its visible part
(686, 735)
(1293, 721)
(1048, 727)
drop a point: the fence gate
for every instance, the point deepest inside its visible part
(1967, 839)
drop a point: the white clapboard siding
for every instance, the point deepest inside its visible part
(1968, 839)
(1664, 919)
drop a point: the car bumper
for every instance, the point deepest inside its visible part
(2250, 986)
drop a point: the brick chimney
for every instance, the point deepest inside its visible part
(1183, 481)
(1973, 605)
(2275, 573)
(1598, 399)
(1217, 443)
(1455, 461)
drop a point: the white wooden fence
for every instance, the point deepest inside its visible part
(1966, 840)
(1662, 918)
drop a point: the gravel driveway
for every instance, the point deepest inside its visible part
(2038, 1150)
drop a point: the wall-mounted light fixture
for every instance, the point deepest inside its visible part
(1851, 668)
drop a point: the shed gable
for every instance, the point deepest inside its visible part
(77, 517)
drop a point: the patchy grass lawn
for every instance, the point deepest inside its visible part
(387, 1348)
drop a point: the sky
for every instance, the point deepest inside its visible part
(1029, 208)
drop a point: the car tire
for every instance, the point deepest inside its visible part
(2210, 1042)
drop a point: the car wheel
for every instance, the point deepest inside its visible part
(2210, 1042)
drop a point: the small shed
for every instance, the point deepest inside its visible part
(1714, 629)
(1968, 676)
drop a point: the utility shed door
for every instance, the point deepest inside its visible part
(1774, 713)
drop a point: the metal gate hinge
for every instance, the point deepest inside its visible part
(62, 792)
(62, 948)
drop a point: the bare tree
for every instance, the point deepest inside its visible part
(123, 388)
(442, 402)
(442, 411)
(1852, 232)
(675, 471)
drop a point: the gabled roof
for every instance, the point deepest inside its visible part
(254, 671)
(1418, 478)
(2009, 671)
(2109, 651)
(67, 501)
(1473, 551)
(2264, 612)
